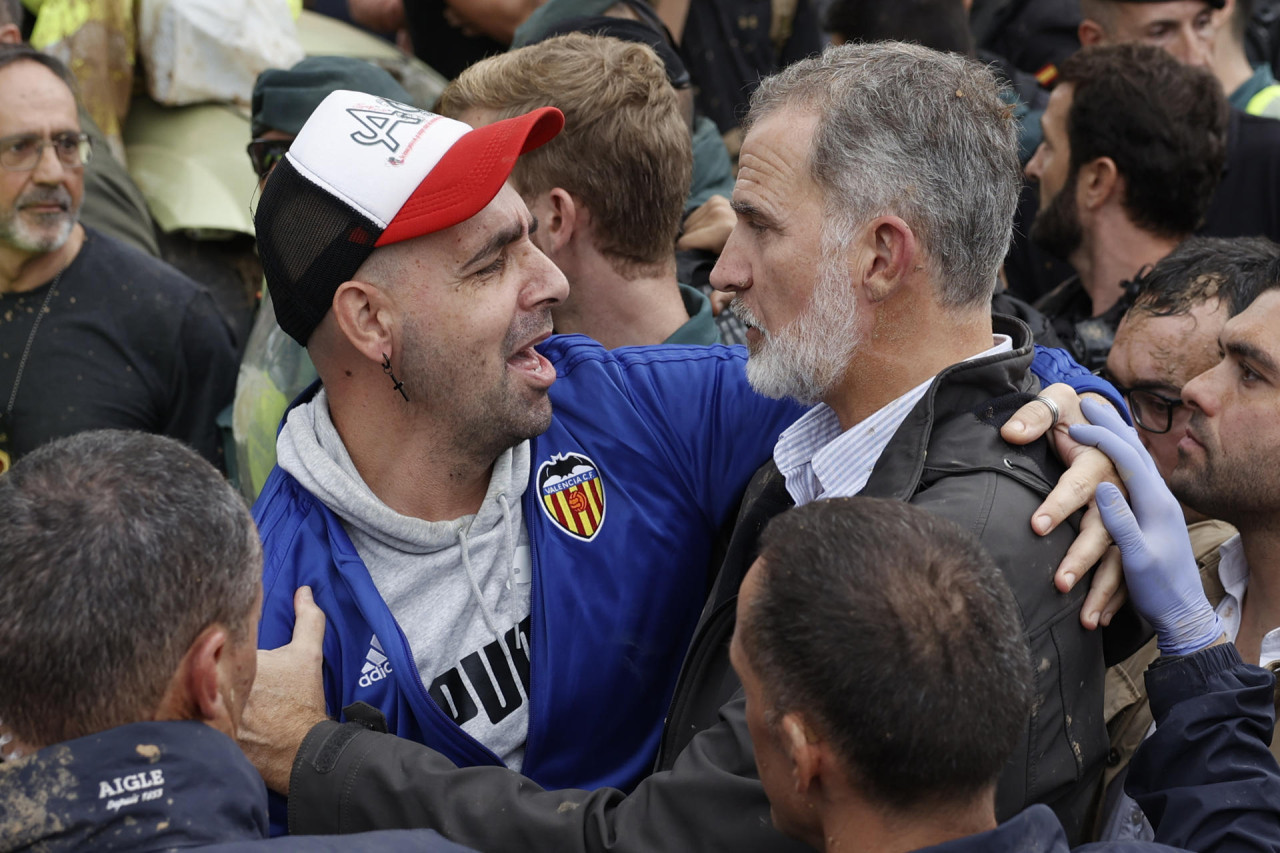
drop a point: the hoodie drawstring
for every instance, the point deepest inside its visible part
(507, 549)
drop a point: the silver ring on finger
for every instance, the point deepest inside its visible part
(1052, 407)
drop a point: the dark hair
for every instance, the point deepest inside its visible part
(11, 53)
(11, 12)
(1202, 268)
(116, 550)
(895, 634)
(939, 24)
(1163, 123)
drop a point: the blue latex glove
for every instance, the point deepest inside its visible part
(1159, 567)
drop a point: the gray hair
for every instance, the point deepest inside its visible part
(923, 135)
(116, 549)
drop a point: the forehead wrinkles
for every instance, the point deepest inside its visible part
(767, 178)
(1161, 345)
(32, 97)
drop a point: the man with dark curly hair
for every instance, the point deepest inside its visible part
(1134, 144)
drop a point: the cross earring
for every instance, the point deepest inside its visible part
(397, 384)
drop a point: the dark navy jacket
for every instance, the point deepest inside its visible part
(1206, 778)
(156, 786)
(669, 436)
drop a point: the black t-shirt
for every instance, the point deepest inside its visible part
(727, 48)
(1069, 309)
(1247, 202)
(443, 45)
(128, 343)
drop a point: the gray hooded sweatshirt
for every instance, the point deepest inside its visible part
(458, 589)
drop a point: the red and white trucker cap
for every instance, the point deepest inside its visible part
(366, 172)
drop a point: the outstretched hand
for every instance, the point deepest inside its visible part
(287, 699)
(1159, 565)
(1087, 467)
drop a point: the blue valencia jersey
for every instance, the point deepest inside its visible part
(644, 463)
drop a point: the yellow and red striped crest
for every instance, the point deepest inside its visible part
(572, 493)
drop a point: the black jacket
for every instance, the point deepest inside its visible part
(156, 786)
(948, 457)
(1206, 777)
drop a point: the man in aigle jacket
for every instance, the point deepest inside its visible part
(128, 622)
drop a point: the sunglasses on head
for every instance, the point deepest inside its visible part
(266, 153)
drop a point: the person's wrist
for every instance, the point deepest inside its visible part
(1191, 635)
(274, 758)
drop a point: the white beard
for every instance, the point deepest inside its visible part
(49, 235)
(808, 357)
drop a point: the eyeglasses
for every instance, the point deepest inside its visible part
(1153, 412)
(266, 153)
(21, 153)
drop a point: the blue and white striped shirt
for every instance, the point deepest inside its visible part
(817, 460)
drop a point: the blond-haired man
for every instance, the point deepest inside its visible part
(609, 192)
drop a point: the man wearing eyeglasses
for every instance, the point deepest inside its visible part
(1168, 338)
(93, 333)
(1170, 335)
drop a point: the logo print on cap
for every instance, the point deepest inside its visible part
(572, 492)
(378, 124)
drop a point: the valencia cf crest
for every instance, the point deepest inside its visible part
(572, 493)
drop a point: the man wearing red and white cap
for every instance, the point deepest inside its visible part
(505, 581)
(509, 535)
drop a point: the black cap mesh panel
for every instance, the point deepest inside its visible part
(309, 243)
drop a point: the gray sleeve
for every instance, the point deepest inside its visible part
(347, 779)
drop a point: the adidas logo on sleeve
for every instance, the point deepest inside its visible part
(376, 666)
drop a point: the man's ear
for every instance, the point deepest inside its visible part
(560, 216)
(10, 34)
(1097, 182)
(198, 690)
(1091, 33)
(889, 254)
(802, 745)
(362, 313)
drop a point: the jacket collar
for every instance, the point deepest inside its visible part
(955, 394)
(1033, 830)
(145, 786)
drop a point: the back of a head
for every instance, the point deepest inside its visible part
(117, 550)
(938, 24)
(1234, 270)
(877, 620)
(625, 151)
(917, 133)
(283, 99)
(1164, 124)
